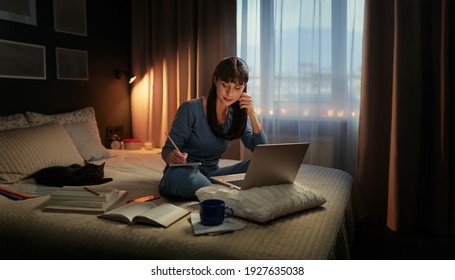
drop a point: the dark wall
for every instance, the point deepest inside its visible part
(108, 46)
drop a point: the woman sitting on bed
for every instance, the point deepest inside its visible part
(203, 128)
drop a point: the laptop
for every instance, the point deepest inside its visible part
(271, 164)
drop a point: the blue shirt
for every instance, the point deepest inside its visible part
(191, 133)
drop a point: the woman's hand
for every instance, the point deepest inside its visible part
(246, 102)
(176, 157)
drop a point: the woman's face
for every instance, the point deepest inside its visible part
(228, 93)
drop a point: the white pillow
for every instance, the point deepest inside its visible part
(13, 121)
(23, 151)
(83, 115)
(264, 203)
(86, 143)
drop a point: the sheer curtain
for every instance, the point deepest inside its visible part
(305, 64)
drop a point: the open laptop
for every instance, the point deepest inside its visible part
(271, 164)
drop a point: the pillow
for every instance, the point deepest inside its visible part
(86, 143)
(13, 121)
(265, 203)
(23, 151)
(83, 115)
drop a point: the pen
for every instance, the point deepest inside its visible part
(143, 199)
(92, 191)
(170, 139)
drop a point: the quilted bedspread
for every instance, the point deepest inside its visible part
(324, 232)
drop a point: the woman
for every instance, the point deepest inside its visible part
(203, 128)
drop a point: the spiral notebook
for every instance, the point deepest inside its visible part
(190, 164)
(187, 164)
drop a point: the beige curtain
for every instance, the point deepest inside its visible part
(406, 159)
(176, 44)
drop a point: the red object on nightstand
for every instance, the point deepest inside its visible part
(132, 144)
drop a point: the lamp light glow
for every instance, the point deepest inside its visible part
(131, 78)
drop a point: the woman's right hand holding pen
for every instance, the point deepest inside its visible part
(176, 157)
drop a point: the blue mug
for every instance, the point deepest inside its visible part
(213, 212)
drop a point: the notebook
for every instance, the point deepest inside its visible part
(271, 164)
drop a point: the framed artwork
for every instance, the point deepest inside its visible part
(23, 11)
(22, 61)
(70, 17)
(72, 64)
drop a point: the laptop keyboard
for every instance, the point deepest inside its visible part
(237, 183)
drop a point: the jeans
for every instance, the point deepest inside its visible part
(183, 182)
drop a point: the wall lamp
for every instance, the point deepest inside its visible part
(131, 78)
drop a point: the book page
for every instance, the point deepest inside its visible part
(104, 189)
(94, 193)
(164, 214)
(129, 211)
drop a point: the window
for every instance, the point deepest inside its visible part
(305, 61)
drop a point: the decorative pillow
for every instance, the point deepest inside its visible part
(86, 143)
(265, 203)
(13, 121)
(83, 115)
(23, 151)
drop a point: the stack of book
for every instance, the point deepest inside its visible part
(92, 199)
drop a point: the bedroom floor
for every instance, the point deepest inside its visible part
(377, 242)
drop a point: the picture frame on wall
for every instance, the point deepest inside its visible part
(71, 64)
(23, 11)
(70, 17)
(22, 60)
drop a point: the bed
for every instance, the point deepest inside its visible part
(325, 231)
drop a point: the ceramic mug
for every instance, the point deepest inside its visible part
(213, 212)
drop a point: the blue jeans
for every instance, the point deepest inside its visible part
(183, 182)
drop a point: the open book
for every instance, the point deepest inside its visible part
(146, 212)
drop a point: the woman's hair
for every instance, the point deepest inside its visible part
(230, 70)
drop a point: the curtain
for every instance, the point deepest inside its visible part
(406, 163)
(305, 60)
(175, 47)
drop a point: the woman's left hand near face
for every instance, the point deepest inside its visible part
(246, 102)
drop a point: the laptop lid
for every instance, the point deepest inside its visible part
(271, 164)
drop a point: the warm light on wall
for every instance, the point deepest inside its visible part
(130, 77)
(141, 108)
